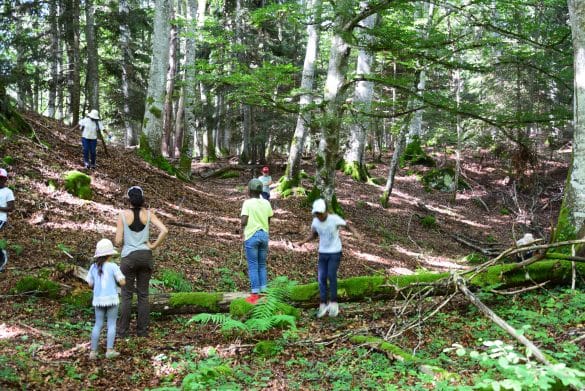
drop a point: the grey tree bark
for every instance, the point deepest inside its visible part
(168, 144)
(362, 102)
(54, 55)
(152, 130)
(92, 75)
(130, 130)
(313, 10)
(71, 30)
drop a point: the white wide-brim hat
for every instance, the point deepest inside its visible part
(94, 114)
(103, 248)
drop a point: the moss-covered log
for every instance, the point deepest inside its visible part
(377, 287)
(388, 288)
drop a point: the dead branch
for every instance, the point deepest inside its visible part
(460, 282)
(530, 288)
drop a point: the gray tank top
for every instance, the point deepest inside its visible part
(134, 241)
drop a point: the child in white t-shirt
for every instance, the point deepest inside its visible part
(266, 180)
(6, 205)
(104, 277)
(326, 227)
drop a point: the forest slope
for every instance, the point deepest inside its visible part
(206, 248)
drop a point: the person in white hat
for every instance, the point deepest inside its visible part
(104, 277)
(6, 206)
(90, 126)
(326, 226)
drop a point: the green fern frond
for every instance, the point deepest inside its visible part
(226, 322)
(283, 320)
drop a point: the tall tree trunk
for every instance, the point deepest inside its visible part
(301, 130)
(168, 145)
(92, 76)
(130, 131)
(71, 26)
(458, 86)
(394, 163)
(152, 131)
(572, 215)
(335, 87)
(54, 57)
(362, 101)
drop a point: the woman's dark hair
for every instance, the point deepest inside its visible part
(136, 197)
(99, 262)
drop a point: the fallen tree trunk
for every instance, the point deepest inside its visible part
(373, 287)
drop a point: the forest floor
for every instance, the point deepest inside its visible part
(44, 342)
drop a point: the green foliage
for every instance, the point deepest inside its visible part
(265, 315)
(504, 211)
(229, 174)
(355, 170)
(78, 184)
(414, 154)
(7, 160)
(39, 286)
(175, 281)
(211, 373)
(429, 221)
(267, 348)
(442, 179)
(475, 258)
(383, 345)
(511, 370)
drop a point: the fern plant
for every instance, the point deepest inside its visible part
(265, 315)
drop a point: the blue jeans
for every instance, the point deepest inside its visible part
(111, 313)
(89, 148)
(256, 251)
(327, 270)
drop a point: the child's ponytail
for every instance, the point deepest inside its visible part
(99, 262)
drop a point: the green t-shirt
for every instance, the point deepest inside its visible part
(258, 211)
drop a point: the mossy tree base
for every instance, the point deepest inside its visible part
(355, 170)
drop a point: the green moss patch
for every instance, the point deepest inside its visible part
(267, 348)
(240, 308)
(78, 184)
(378, 343)
(200, 299)
(442, 179)
(38, 286)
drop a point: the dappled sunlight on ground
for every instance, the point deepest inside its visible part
(7, 331)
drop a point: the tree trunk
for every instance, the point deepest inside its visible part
(362, 102)
(92, 76)
(155, 97)
(168, 144)
(394, 163)
(54, 57)
(372, 287)
(572, 215)
(335, 87)
(71, 26)
(308, 76)
(130, 131)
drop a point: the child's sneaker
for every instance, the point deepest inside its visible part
(253, 298)
(112, 354)
(333, 309)
(93, 355)
(322, 310)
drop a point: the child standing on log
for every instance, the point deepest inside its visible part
(104, 276)
(326, 226)
(255, 222)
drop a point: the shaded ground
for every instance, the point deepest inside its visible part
(48, 220)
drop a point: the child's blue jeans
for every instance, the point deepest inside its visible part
(256, 251)
(111, 313)
(327, 270)
(89, 151)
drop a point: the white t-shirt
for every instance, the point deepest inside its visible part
(5, 195)
(90, 127)
(328, 231)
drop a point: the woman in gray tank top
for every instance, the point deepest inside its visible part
(133, 231)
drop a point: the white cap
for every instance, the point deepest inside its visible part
(3, 173)
(104, 247)
(319, 206)
(94, 114)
